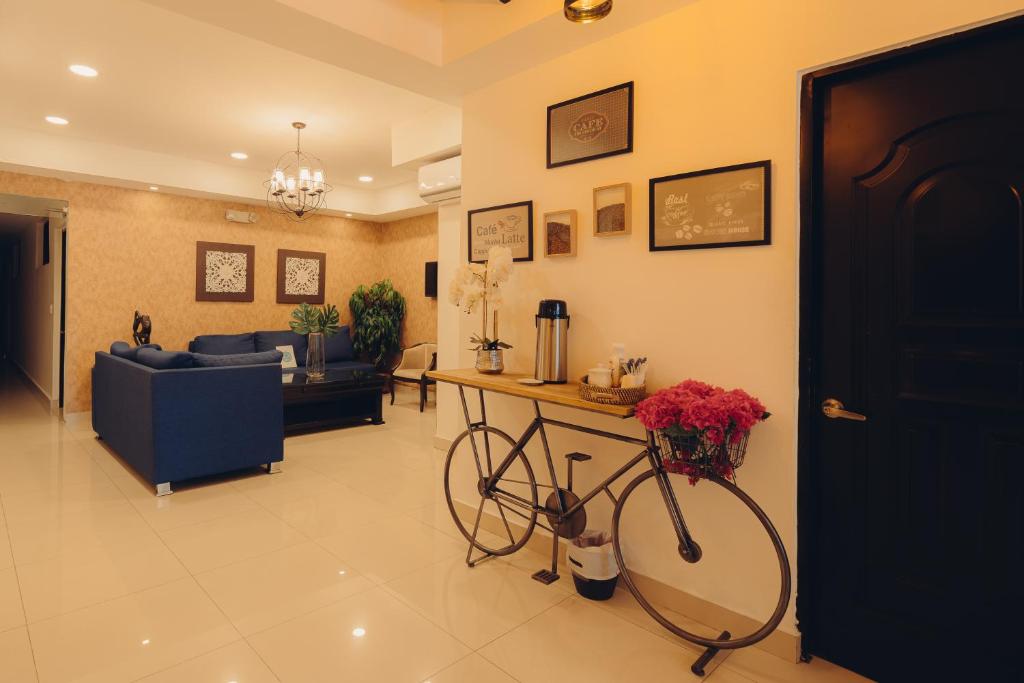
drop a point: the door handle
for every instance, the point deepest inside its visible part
(833, 409)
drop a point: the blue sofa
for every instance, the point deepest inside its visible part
(171, 421)
(338, 351)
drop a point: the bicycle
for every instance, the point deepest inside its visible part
(507, 482)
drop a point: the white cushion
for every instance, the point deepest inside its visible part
(410, 373)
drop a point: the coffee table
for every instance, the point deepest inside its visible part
(342, 397)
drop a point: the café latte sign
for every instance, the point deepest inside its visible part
(509, 225)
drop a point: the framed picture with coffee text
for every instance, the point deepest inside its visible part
(508, 225)
(717, 207)
(591, 126)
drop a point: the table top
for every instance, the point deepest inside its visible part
(567, 394)
(339, 379)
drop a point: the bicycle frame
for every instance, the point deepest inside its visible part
(687, 548)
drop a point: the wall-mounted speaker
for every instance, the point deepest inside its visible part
(430, 280)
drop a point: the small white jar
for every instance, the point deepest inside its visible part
(599, 377)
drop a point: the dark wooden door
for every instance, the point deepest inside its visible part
(912, 521)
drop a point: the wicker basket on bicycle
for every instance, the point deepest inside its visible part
(701, 430)
(697, 456)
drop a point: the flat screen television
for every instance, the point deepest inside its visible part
(430, 279)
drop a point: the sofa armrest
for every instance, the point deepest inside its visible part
(218, 419)
(122, 406)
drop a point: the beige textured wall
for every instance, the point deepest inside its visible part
(405, 246)
(717, 83)
(131, 249)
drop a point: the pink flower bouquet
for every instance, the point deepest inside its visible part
(703, 428)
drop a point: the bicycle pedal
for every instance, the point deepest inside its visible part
(546, 576)
(578, 457)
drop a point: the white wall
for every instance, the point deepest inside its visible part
(32, 334)
(717, 83)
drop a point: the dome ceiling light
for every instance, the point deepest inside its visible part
(587, 11)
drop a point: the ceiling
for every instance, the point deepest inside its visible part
(183, 83)
(175, 85)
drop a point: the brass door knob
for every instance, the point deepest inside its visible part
(834, 409)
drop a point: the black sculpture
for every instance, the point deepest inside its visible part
(142, 329)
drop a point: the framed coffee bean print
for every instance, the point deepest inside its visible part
(591, 126)
(613, 210)
(560, 233)
(508, 225)
(718, 207)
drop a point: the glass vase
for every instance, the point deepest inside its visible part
(315, 356)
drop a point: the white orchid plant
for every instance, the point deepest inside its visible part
(478, 285)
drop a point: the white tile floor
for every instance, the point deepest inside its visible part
(341, 568)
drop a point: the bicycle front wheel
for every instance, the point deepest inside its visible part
(499, 520)
(660, 494)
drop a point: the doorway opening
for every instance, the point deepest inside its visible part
(33, 271)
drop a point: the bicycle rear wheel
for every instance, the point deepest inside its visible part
(498, 521)
(663, 479)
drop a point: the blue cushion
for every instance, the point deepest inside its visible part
(164, 360)
(127, 351)
(203, 360)
(338, 347)
(269, 341)
(224, 344)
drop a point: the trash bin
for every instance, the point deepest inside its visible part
(594, 570)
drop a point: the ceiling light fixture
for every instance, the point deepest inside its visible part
(241, 156)
(587, 11)
(57, 120)
(366, 178)
(154, 188)
(83, 70)
(297, 187)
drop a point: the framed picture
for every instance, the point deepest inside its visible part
(224, 272)
(719, 207)
(591, 126)
(287, 356)
(508, 225)
(560, 233)
(300, 276)
(613, 210)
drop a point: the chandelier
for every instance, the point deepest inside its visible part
(297, 187)
(586, 11)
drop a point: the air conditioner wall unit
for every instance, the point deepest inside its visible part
(441, 182)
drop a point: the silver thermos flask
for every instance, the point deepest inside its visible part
(552, 323)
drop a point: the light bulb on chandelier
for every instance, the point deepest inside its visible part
(297, 187)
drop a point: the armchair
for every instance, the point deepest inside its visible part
(416, 361)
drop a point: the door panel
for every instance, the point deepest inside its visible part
(917, 321)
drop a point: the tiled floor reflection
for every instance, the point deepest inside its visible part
(344, 567)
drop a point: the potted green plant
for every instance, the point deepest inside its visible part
(377, 314)
(316, 323)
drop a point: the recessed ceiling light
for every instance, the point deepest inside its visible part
(241, 156)
(57, 120)
(154, 188)
(359, 632)
(83, 70)
(348, 215)
(366, 178)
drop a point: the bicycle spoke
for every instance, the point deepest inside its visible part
(504, 519)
